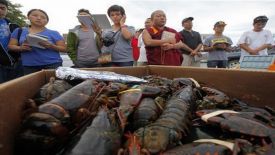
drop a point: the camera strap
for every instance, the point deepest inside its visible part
(115, 34)
(115, 40)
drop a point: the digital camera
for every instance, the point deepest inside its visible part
(108, 41)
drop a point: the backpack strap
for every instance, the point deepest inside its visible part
(19, 34)
(15, 55)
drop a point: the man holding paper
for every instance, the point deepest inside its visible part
(81, 41)
(217, 45)
(160, 42)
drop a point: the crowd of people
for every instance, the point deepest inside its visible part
(90, 46)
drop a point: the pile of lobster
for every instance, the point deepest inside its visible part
(163, 116)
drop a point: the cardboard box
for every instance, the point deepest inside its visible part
(254, 87)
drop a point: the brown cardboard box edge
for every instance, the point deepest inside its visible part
(254, 87)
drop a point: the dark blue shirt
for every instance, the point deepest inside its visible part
(191, 39)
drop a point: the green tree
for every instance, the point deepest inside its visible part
(15, 15)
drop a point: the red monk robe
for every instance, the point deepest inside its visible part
(157, 56)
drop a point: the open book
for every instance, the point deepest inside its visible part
(86, 20)
(100, 19)
(167, 35)
(35, 39)
(220, 41)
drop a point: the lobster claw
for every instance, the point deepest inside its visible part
(129, 99)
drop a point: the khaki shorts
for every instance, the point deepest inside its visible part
(190, 61)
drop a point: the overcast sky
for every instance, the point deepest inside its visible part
(237, 14)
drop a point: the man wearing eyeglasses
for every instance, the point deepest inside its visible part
(256, 41)
(217, 45)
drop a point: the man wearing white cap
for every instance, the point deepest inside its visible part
(256, 41)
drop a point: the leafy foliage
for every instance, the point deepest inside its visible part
(15, 15)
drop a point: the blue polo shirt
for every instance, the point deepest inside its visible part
(4, 33)
(38, 56)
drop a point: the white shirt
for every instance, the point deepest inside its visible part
(254, 40)
(142, 50)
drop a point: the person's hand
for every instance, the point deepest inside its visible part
(122, 21)
(25, 47)
(46, 44)
(221, 46)
(228, 49)
(193, 53)
(167, 46)
(257, 50)
(213, 47)
(254, 52)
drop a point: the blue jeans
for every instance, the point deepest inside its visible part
(217, 63)
(32, 69)
(11, 72)
(123, 64)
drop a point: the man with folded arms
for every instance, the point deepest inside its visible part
(256, 41)
(193, 41)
